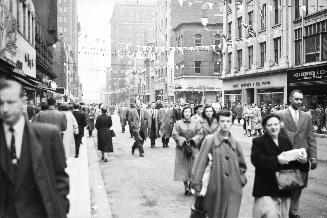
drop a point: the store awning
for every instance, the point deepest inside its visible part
(24, 82)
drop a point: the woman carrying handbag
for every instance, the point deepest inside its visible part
(275, 176)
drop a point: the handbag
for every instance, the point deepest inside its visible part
(289, 179)
(112, 133)
(196, 209)
(188, 150)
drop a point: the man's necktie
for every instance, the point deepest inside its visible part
(296, 119)
(13, 154)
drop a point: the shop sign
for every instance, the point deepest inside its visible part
(311, 74)
(202, 88)
(250, 85)
(8, 30)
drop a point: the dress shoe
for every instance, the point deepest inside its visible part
(105, 160)
(141, 155)
(102, 158)
(76, 156)
(132, 151)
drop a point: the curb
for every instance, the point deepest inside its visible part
(99, 200)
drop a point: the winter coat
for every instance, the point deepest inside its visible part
(248, 116)
(256, 120)
(122, 115)
(156, 122)
(206, 129)
(264, 155)
(227, 178)
(184, 129)
(138, 123)
(166, 120)
(239, 111)
(103, 125)
(72, 128)
(320, 117)
(90, 120)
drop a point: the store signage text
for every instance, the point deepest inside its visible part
(201, 87)
(248, 85)
(316, 74)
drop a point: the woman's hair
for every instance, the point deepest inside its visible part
(266, 118)
(204, 112)
(185, 108)
(196, 108)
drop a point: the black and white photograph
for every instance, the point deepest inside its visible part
(163, 108)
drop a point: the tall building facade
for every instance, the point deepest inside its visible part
(177, 26)
(132, 26)
(67, 22)
(264, 58)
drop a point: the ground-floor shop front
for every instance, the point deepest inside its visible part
(268, 88)
(198, 90)
(312, 81)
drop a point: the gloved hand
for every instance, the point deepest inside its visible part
(314, 164)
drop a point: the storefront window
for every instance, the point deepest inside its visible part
(270, 96)
(232, 96)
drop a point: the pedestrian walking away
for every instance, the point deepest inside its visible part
(298, 127)
(30, 155)
(222, 198)
(103, 125)
(188, 136)
(90, 120)
(138, 122)
(80, 117)
(166, 120)
(153, 128)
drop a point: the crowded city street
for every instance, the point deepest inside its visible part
(144, 187)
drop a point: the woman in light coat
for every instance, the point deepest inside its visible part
(72, 128)
(188, 136)
(248, 116)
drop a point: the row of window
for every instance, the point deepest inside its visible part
(25, 19)
(62, 19)
(217, 67)
(263, 18)
(198, 40)
(263, 54)
(310, 7)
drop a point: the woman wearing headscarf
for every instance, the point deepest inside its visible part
(103, 125)
(188, 136)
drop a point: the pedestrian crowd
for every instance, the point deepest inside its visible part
(209, 159)
(35, 143)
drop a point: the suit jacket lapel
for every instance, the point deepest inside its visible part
(290, 119)
(24, 159)
(301, 118)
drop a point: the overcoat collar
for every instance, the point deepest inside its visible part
(205, 124)
(218, 139)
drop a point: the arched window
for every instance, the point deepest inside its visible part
(198, 40)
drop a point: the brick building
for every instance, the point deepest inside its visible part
(176, 26)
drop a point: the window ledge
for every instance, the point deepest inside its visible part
(276, 25)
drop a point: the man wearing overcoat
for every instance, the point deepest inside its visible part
(166, 120)
(153, 129)
(138, 122)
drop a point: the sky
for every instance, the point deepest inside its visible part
(94, 17)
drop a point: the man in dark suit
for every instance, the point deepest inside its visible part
(138, 122)
(53, 116)
(298, 127)
(33, 181)
(153, 128)
(80, 117)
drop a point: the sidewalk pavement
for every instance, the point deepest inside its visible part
(87, 196)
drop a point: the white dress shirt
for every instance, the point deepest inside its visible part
(295, 114)
(18, 132)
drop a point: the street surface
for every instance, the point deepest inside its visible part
(144, 187)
